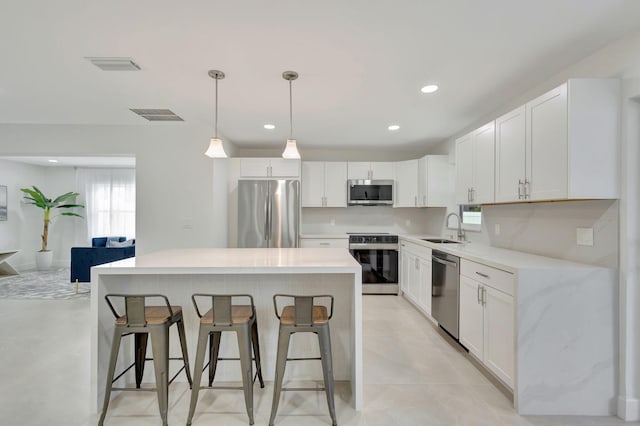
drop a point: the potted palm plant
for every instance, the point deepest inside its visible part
(66, 202)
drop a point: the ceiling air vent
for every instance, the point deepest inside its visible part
(157, 114)
(115, 64)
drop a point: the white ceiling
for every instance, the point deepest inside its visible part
(361, 62)
(93, 162)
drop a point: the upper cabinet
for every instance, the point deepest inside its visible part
(475, 155)
(434, 189)
(510, 156)
(370, 170)
(269, 167)
(561, 145)
(324, 184)
(406, 184)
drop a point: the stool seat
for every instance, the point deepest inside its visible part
(239, 315)
(154, 315)
(320, 315)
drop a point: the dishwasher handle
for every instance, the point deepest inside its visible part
(444, 262)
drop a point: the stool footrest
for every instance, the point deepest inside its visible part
(302, 389)
(222, 387)
(304, 359)
(135, 389)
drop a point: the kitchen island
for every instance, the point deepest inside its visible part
(259, 272)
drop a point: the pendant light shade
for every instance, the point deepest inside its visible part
(291, 149)
(216, 149)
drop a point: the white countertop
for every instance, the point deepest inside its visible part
(236, 261)
(507, 260)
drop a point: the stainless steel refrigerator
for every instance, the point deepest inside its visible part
(268, 213)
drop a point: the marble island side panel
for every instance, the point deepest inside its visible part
(566, 342)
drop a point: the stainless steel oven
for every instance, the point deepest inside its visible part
(378, 256)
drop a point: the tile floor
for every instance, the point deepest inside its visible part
(413, 376)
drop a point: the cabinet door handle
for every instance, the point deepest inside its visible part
(526, 189)
(520, 184)
(473, 194)
(417, 263)
(325, 244)
(484, 296)
(424, 200)
(482, 275)
(478, 294)
(468, 194)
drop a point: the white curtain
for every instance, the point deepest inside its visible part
(109, 197)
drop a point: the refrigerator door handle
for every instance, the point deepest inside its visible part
(266, 219)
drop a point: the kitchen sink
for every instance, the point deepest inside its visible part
(440, 241)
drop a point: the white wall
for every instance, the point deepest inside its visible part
(23, 228)
(174, 180)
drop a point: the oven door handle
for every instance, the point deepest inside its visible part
(365, 246)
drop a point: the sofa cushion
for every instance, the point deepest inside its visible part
(114, 244)
(102, 241)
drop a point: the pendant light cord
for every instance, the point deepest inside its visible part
(216, 113)
(290, 112)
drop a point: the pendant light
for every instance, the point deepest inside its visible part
(216, 149)
(291, 150)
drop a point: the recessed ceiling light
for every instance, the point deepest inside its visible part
(393, 127)
(269, 126)
(52, 161)
(429, 88)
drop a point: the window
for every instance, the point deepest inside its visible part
(109, 196)
(471, 214)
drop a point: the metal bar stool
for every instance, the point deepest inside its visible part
(303, 316)
(223, 316)
(141, 321)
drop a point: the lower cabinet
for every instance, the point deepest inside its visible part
(487, 317)
(415, 275)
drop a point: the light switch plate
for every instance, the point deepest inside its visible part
(584, 236)
(496, 229)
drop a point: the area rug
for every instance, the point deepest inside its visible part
(51, 284)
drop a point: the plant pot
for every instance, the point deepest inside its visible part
(44, 259)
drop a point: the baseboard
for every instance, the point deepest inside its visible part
(629, 409)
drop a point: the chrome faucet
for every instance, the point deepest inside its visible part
(461, 235)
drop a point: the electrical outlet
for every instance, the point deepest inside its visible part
(496, 229)
(584, 237)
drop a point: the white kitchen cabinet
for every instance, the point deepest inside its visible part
(406, 184)
(434, 189)
(269, 167)
(487, 317)
(499, 334)
(471, 316)
(403, 259)
(464, 168)
(324, 184)
(475, 157)
(415, 275)
(510, 156)
(562, 145)
(378, 170)
(324, 242)
(424, 296)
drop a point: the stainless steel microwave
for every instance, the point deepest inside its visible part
(370, 192)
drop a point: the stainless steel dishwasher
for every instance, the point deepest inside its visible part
(445, 290)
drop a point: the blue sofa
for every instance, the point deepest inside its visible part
(83, 258)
